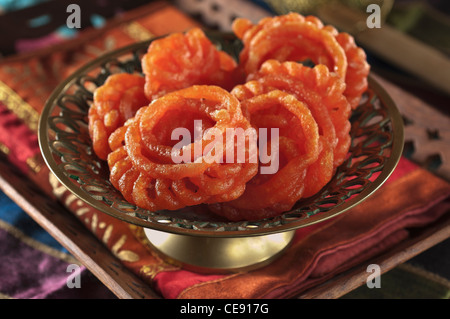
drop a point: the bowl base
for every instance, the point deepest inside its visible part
(219, 254)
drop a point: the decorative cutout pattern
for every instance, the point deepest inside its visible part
(219, 14)
(427, 137)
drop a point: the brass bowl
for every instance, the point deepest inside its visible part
(377, 144)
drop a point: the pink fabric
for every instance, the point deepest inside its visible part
(27, 45)
(21, 142)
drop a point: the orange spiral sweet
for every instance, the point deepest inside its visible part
(357, 71)
(293, 37)
(322, 91)
(142, 165)
(289, 37)
(267, 195)
(115, 101)
(180, 60)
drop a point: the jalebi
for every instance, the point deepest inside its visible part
(322, 91)
(296, 147)
(142, 164)
(115, 101)
(293, 37)
(180, 60)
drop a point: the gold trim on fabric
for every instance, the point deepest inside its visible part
(26, 113)
(3, 296)
(182, 294)
(33, 164)
(152, 269)
(93, 222)
(4, 149)
(137, 32)
(36, 244)
(124, 254)
(16, 104)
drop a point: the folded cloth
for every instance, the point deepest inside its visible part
(412, 197)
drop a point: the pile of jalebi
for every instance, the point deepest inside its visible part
(322, 94)
(143, 162)
(298, 148)
(298, 115)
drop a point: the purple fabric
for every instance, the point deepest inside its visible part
(26, 272)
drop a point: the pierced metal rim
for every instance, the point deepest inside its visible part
(247, 230)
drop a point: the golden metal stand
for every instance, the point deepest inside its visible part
(219, 254)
